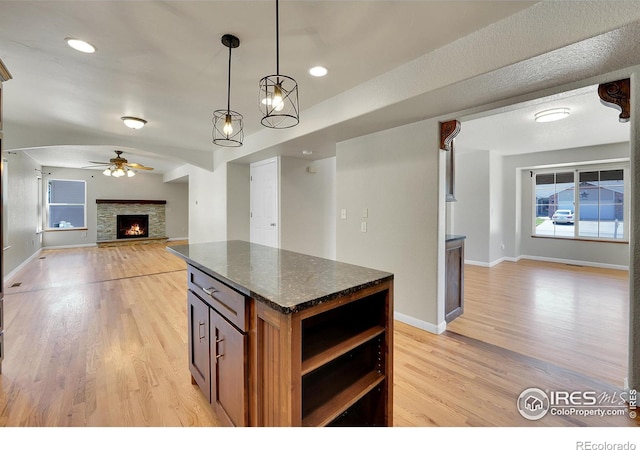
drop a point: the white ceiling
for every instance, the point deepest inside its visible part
(163, 61)
(513, 130)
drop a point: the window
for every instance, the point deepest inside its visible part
(584, 203)
(66, 201)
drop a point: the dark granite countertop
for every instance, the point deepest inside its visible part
(453, 237)
(286, 281)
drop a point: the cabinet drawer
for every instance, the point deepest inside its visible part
(1, 349)
(228, 302)
(1, 314)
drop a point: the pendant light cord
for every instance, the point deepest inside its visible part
(277, 40)
(229, 84)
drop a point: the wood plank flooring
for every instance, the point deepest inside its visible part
(98, 337)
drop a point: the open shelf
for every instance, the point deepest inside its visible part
(327, 412)
(340, 344)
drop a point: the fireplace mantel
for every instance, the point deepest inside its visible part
(132, 202)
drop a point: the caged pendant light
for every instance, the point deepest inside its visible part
(227, 124)
(279, 94)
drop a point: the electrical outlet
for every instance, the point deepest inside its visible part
(84, 234)
(365, 212)
(363, 227)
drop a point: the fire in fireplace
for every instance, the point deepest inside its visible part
(133, 226)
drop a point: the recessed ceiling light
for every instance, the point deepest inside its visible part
(318, 71)
(133, 122)
(307, 152)
(551, 115)
(81, 46)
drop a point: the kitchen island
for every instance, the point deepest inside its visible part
(278, 338)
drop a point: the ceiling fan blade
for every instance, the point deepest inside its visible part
(101, 163)
(138, 166)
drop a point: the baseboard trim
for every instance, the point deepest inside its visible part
(490, 264)
(15, 271)
(58, 247)
(575, 262)
(178, 239)
(421, 324)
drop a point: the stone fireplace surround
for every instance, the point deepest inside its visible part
(108, 211)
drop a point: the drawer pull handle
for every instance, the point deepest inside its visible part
(219, 356)
(210, 291)
(219, 340)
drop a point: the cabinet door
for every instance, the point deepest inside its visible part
(228, 371)
(199, 364)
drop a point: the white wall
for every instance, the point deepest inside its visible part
(207, 204)
(308, 206)
(21, 201)
(141, 187)
(472, 209)
(395, 174)
(496, 207)
(238, 201)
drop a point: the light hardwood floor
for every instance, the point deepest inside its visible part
(98, 337)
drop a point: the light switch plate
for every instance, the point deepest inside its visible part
(365, 212)
(343, 213)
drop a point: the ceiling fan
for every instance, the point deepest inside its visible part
(119, 166)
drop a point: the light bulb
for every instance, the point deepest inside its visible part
(107, 172)
(228, 128)
(277, 102)
(119, 172)
(130, 173)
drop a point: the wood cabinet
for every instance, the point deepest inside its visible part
(199, 359)
(454, 267)
(217, 347)
(327, 361)
(4, 76)
(228, 373)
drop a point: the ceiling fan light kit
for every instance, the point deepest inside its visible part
(118, 167)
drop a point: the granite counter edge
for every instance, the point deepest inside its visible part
(276, 306)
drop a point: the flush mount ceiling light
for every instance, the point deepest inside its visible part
(318, 71)
(279, 94)
(227, 124)
(133, 122)
(81, 46)
(551, 115)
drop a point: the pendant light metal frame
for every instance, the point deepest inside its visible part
(222, 118)
(284, 111)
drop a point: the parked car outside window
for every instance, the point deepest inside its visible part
(562, 216)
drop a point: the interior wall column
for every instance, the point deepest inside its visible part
(622, 95)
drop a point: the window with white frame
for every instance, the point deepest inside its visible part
(66, 204)
(582, 203)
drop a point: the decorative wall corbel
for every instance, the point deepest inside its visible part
(616, 95)
(448, 131)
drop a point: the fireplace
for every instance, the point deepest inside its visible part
(132, 226)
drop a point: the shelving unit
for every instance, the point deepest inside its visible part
(344, 358)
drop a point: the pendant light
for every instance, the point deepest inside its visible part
(279, 94)
(227, 124)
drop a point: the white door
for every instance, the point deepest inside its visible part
(264, 203)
